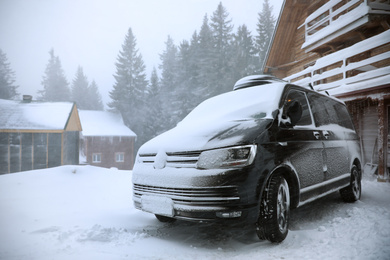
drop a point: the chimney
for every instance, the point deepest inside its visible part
(27, 98)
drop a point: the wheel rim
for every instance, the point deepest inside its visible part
(355, 184)
(283, 206)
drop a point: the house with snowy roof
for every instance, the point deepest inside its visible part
(37, 135)
(106, 140)
(342, 48)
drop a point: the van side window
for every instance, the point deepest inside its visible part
(300, 96)
(327, 111)
(344, 119)
(320, 114)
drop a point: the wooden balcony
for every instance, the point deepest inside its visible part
(363, 65)
(339, 17)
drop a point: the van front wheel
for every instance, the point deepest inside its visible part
(274, 214)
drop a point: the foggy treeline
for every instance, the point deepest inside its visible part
(208, 64)
(55, 85)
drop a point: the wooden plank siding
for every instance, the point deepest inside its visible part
(108, 147)
(30, 149)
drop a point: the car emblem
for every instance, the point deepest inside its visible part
(160, 161)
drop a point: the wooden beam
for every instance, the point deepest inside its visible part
(385, 25)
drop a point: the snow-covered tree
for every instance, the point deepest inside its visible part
(155, 116)
(80, 92)
(7, 79)
(204, 51)
(169, 82)
(221, 29)
(130, 86)
(243, 53)
(55, 85)
(265, 29)
(94, 97)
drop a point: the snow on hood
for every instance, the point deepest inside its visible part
(224, 120)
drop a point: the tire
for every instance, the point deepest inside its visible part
(165, 219)
(353, 192)
(274, 216)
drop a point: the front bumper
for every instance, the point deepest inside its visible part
(193, 194)
(201, 204)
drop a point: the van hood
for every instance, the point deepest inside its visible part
(199, 137)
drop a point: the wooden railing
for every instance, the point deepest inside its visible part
(365, 60)
(337, 14)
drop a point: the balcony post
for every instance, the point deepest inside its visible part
(382, 175)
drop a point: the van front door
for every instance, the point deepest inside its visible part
(301, 143)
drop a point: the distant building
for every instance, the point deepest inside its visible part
(342, 48)
(106, 141)
(37, 135)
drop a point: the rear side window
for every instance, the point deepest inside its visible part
(295, 95)
(343, 116)
(327, 111)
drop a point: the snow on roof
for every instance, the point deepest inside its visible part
(17, 115)
(103, 123)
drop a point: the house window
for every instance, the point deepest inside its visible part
(119, 157)
(97, 157)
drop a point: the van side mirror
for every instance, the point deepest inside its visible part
(294, 112)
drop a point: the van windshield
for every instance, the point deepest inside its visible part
(251, 103)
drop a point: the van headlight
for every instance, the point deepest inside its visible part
(238, 156)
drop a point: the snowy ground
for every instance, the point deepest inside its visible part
(84, 212)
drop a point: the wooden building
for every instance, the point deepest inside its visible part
(106, 141)
(341, 47)
(36, 135)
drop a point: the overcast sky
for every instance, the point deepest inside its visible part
(90, 33)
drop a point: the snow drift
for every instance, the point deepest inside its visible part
(85, 212)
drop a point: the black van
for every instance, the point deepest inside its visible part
(250, 155)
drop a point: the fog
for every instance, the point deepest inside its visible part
(90, 33)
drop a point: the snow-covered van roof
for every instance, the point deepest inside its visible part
(19, 115)
(103, 123)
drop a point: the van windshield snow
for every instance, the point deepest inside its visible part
(245, 104)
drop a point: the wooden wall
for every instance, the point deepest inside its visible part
(24, 151)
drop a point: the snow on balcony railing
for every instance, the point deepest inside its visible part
(334, 16)
(331, 72)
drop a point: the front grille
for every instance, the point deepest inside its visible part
(191, 196)
(176, 160)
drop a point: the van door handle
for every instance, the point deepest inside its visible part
(316, 134)
(326, 134)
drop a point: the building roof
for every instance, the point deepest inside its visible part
(103, 123)
(19, 115)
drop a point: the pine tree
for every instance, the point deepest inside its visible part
(7, 79)
(244, 53)
(204, 53)
(265, 29)
(94, 97)
(222, 34)
(129, 89)
(155, 118)
(55, 85)
(169, 83)
(80, 91)
(187, 85)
